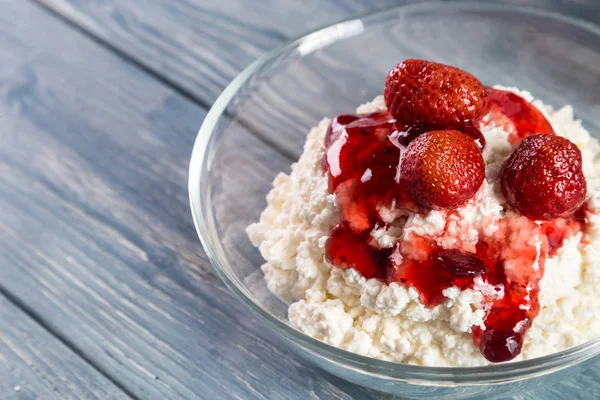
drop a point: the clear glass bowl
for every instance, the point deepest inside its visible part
(258, 125)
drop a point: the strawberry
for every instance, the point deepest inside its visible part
(543, 178)
(423, 92)
(442, 169)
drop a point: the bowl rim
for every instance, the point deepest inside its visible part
(198, 168)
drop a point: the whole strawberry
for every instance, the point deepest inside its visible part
(442, 169)
(423, 92)
(543, 178)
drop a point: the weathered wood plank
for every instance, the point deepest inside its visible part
(99, 239)
(36, 365)
(187, 42)
(201, 45)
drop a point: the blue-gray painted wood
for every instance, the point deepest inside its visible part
(35, 365)
(94, 162)
(201, 45)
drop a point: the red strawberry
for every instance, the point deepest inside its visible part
(442, 169)
(423, 92)
(543, 178)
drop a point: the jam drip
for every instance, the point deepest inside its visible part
(362, 160)
(362, 163)
(516, 115)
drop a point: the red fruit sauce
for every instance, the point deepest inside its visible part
(362, 162)
(516, 115)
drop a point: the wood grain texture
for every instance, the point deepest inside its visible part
(97, 237)
(200, 46)
(35, 365)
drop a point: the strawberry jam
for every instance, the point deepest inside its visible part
(438, 269)
(407, 133)
(362, 160)
(362, 163)
(516, 115)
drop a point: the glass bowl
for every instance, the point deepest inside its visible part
(257, 128)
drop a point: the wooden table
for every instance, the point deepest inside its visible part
(105, 291)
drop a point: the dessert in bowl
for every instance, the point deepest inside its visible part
(445, 224)
(258, 127)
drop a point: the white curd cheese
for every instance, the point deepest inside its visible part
(366, 316)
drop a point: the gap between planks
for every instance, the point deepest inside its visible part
(165, 80)
(65, 341)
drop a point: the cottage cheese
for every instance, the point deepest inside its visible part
(388, 322)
